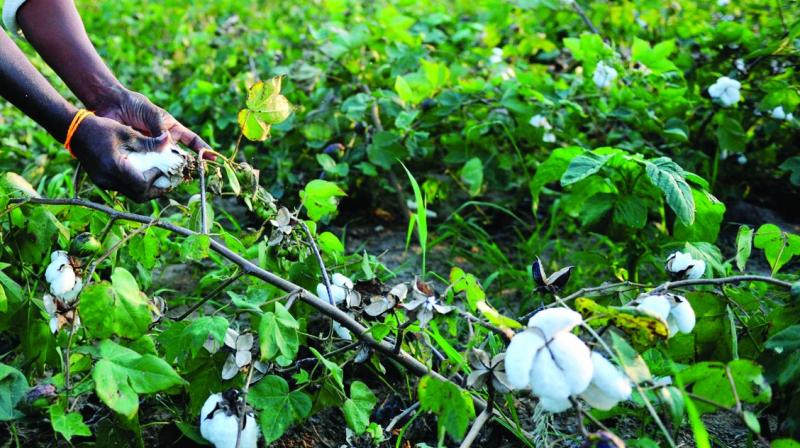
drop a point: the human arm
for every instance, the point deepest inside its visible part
(56, 31)
(99, 143)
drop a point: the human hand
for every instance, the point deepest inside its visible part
(103, 145)
(137, 111)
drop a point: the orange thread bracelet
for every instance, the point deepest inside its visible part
(73, 127)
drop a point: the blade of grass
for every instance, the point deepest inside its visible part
(421, 217)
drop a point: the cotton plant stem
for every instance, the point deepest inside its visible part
(243, 411)
(410, 363)
(401, 416)
(201, 173)
(216, 292)
(579, 10)
(720, 281)
(506, 334)
(475, 430)
(311, 242)
(76, 179)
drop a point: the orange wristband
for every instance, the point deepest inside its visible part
(76, 122)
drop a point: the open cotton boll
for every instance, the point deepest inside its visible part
(58, 259)
(681, 316)
(170, 161)
(697, 270)
(608, 387)
(219, 424)
(726, 91)
(341, 280)
(338, 293)
(552, 321)
(604, 75)
(574, 358)
(656, 305)
(70, 295)
(555, 404)
(540, 121)
(679, 262)
(519, 358)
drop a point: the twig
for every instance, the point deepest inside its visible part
(578, 9)
(325, 280)
(376, 121)
(112, 249)
(201, 173)
(243, 410)
(476, 428)
(399, 417)
(221, 287)
(505, 334)
(67, 382)
(76, 178)
(720, 281)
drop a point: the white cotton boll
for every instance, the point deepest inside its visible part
(679, 262)
(657, 306)
(72, 294)
(726, 91)
(697, 270)
(221, 429)
(540, 121)
(341, 280)
(604, 75)
(58, 259)
(609, 379)
(547, 379)
(50, 305)
(64, 282)
(742, 159)
(597, 399)
(740, 65)
(549, 137)
(339, 293)
(552, 321)
(574, 359)
(53, 325)
(723, 2)
(682, 314)
(519, 358)
(554, 404)
(170, 161)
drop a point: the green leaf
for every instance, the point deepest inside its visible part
(233, 181)
(68, 425)
(708, 218)
(785, 340)
(785, 443)
(630, 361)
(730, 135)
(275, 110)
(385, 149)
(792, 166)
(452, 406)
(13, 386)
(278, 408)
(195, 247)
(200, 329)
(472, 175)
(584, 166)
(319, 198)
(667, 176)
(334, 369)
(261, 91)
(358, 407)
(277, 334)
(121, 374)
(744, 245)
(710, 380)
(779, 246)
(118, 308)
(551, 170)
(252, 128)
(630, 211)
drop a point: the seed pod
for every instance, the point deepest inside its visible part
(173, 162)
(84, 245)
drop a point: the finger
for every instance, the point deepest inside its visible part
(190, 140)
(148, 116)
(139, 187)
(140, 143)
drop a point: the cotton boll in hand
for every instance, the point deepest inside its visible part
(219, 421)
(172, 162)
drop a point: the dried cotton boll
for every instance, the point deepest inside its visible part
(172, 163)
(609, 386)
(219, 421)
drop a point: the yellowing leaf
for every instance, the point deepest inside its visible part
(252, 128)
(644, 330)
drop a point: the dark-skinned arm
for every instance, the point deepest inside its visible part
(100, 144)
(56, 31)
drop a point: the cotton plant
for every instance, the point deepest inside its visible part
(60, 313)
(219, 421)
(673, 309)
(682, 265)
(540, 121)
(725, 91)
(604, 75)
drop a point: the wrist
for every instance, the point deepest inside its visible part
(103, 95)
